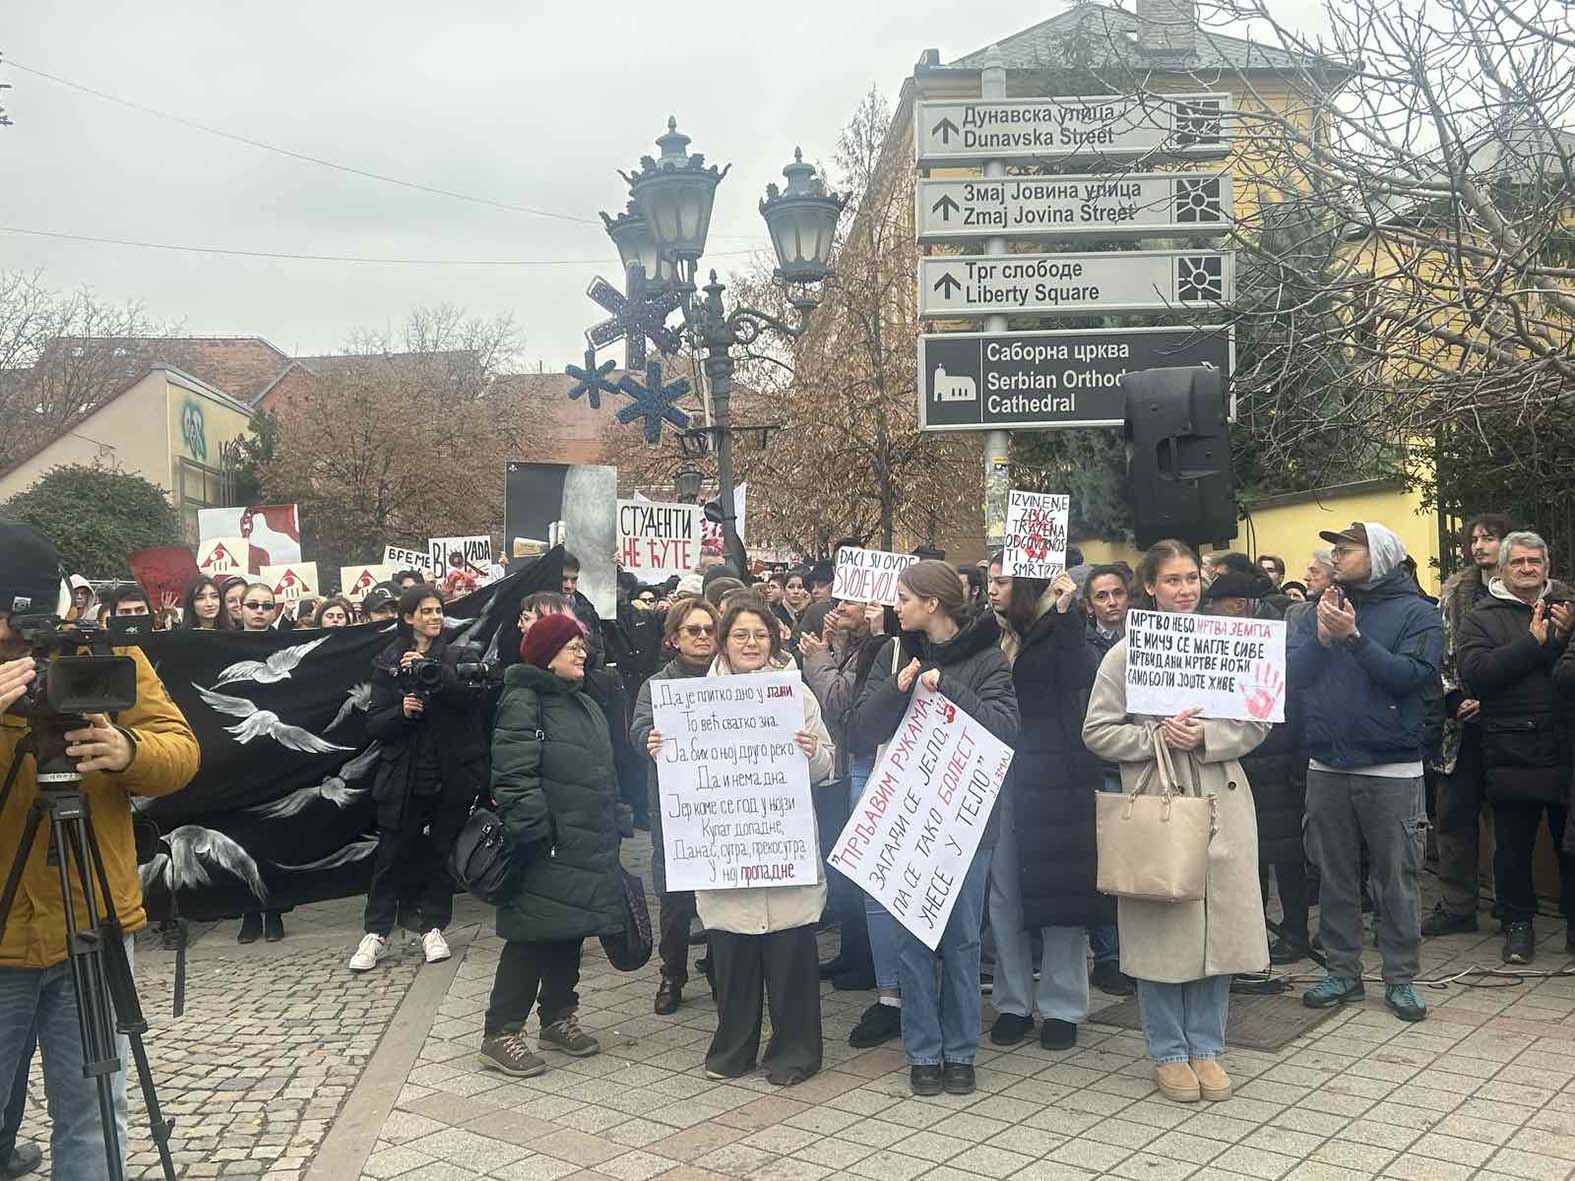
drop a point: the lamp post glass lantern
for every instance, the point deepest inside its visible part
(673, 195)
(632, 236)
(686, 483)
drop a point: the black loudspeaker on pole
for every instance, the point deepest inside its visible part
(1178, 456)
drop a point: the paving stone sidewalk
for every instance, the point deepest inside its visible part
(1483, 1088)
(288, 1066)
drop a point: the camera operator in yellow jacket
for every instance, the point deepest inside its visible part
(148, 749)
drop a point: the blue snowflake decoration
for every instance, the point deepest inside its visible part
(654, 401)
(592, 379)
(640, 314)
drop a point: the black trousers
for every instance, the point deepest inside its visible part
(1458, 824)
(1290, 879)
(677, 912)
(782, 965)
(529, 973)
(844, 900)
(1515, 833)
(410, 879)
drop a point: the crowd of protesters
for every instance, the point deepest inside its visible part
(1388, 693)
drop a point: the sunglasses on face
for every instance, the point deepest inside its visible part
(695, 630)
(258, 606)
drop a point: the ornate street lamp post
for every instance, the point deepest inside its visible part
(673, 195)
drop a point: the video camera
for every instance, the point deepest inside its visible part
(75, 673)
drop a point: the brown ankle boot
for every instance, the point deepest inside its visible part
(1176, 1081)
(1213, 1082)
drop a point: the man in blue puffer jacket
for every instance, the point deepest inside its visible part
(1364, 661)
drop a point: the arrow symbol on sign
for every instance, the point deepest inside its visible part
(945, 207)
(947, 284)
(945, 129)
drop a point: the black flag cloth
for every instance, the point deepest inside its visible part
(280, 813)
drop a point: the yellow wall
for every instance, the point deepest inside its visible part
(116, 436)
(200, 425)
(1290, 531)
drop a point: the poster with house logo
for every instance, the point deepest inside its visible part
(219, 556)
(355, 581)
(292, 581)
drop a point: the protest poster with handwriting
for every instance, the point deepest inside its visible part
(1220, 665)
(868, 575)
(733, 783)
(1035, 543)
(913, 835)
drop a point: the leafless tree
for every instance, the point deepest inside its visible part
(1414, 272)
(61, 355)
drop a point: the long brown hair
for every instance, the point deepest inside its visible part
(931, 579)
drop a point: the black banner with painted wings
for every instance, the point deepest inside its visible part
(280, 813)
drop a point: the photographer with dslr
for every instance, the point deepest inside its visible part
(434, 763)
(148, 749)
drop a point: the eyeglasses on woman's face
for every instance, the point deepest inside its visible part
(748, 636)
(695, 630)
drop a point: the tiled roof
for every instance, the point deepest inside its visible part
(1112, 34)
(240, 366)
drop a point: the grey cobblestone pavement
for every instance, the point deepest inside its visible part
(277, 1039)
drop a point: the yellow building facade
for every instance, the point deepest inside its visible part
(167, 426)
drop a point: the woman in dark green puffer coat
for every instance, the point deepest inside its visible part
(557, 794)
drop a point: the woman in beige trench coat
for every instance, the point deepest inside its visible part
(1183, 954)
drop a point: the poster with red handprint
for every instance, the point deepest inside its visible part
(1220, 665)
(1035, 541)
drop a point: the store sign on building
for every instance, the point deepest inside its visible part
(1071, 128)
(1091, 284)
(1117, 206)
(1033, 380)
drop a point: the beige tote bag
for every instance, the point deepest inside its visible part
(1154, 847)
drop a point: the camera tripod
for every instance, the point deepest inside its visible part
(106, 995)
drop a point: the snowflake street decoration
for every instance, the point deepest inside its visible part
(592, 379)
(633, 320)
(654, 401)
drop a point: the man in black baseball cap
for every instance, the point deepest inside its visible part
(30, 571)
(146, 750)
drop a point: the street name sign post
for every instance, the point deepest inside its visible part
(1072, 128)
(1089, 284)
(1115, 206)
(971, 381)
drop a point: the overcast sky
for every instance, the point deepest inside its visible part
(524, 103)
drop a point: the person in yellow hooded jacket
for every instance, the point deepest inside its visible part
(147, 750)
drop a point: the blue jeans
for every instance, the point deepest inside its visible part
(943, 1024)
(11, 1120)
(884, 930)
(1105, 942)
(1182, 1021)
(41, 998)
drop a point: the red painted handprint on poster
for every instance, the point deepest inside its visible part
(1263, 692)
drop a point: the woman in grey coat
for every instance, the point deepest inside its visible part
(1183, 954)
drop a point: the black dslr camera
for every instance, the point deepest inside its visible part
(420, 678)
(75, 671)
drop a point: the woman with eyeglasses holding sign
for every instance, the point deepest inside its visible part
(690, 632)
(945, 650)
(763, 937)
(1183, 954)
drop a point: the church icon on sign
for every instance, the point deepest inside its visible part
(953, 389)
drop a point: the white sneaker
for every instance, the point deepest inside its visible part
(368, 953)
(435, 946)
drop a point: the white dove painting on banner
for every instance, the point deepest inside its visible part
(281, 808)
